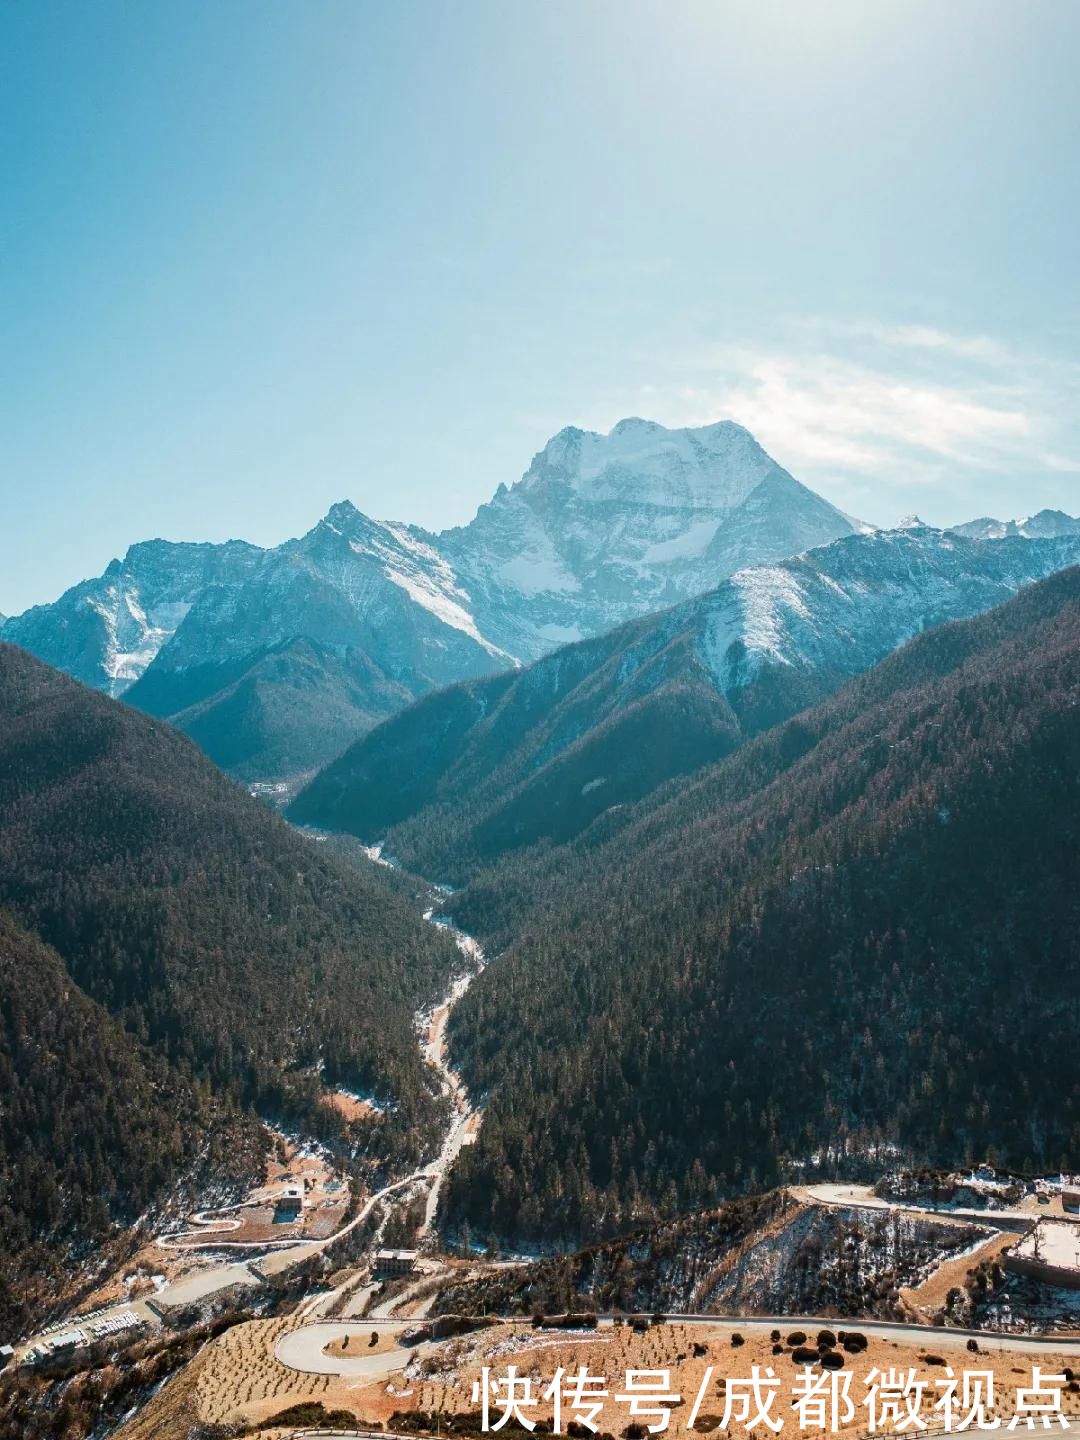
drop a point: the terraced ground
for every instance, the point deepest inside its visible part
(238, 1380)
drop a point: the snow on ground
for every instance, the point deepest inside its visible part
(535, 574)
(1053, 1242)
(770, 595)
(690, 545)
(420, 589)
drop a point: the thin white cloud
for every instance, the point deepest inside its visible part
(826, 410)
(1061, 463)
(979, 348)
(883, 414)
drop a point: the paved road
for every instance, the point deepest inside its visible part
(862, 1197)
(283, 1249)
(934, 1337)
(202, 1283)
(386, 1309)
(342, 1434)
(303, 1350)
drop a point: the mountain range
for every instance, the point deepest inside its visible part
(274, 660)
(1041, 526)
(502, 762)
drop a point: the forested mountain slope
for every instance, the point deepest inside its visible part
(235, 948)
(93, 1128)
(501, 763)
(862, 926)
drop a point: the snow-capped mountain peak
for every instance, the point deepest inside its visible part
(603, 527)
(1044, 525)
(711, 468)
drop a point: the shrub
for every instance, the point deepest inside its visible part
(803, 1355)
(737, 1339)
(313, 1414)
(826, 1339)
(831, 1360)
(797, 1337)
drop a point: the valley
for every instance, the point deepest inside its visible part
(302, 1208)
(722, 1283)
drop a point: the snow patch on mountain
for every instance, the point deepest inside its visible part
(537, 574)
(425, 593)
(769, 596)
(689, 545)
(838, 609)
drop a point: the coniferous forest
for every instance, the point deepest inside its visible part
(860, 929)
(174, 958)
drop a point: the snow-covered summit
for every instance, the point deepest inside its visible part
(1045, 524)
(602, 528)
(711, 468)
(838, 609)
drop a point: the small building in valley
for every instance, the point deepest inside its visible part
(289, 1205)
(395, 1262)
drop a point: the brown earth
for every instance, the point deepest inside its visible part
(926, 1299)
(348, 1106)
(239, 1380)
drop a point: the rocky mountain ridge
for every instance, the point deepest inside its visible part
(498, 763)
(352, 621)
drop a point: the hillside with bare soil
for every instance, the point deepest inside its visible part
(767, 1255)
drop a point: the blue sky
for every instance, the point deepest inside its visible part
(259, 256)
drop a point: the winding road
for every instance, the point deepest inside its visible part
(304, 1349)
